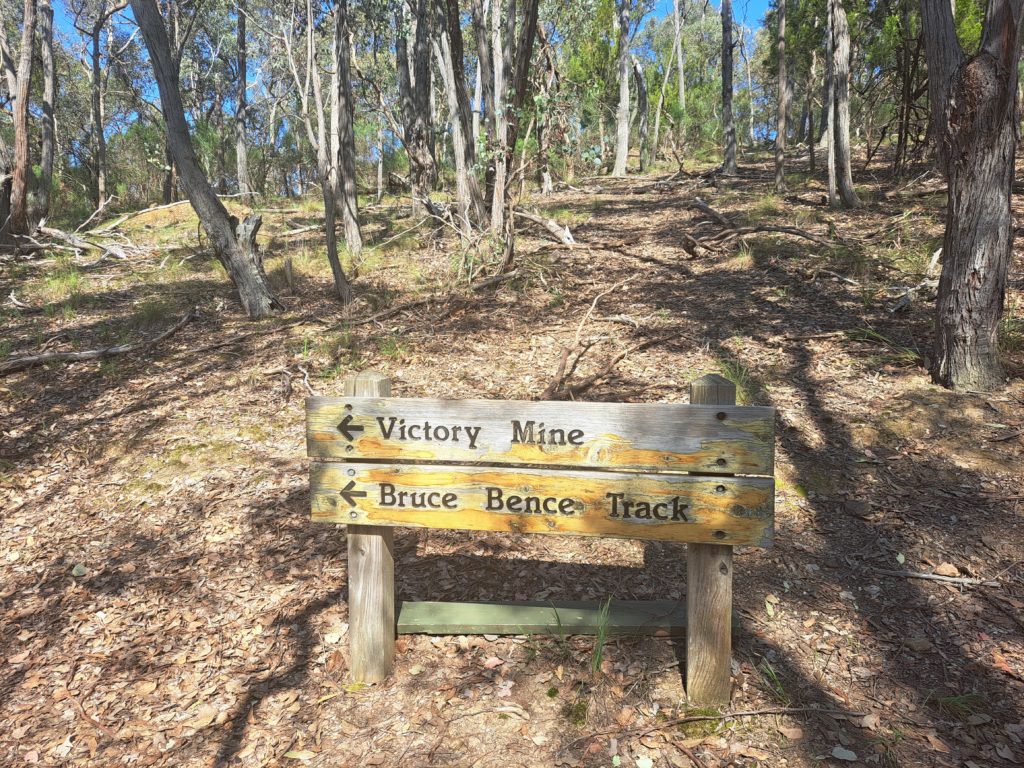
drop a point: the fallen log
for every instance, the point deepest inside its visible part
(561, 233)
(21, 363)
(795, 231)
(710, 212)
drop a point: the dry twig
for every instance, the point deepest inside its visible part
(21, 363)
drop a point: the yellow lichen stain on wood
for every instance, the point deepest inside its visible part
(715, 510)
(738, 442)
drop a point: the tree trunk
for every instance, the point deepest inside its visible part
(841, 119)
(245, 270)
(170, 183)
(449, 52)
(811, 136)
(6, 240)
(99, 145)
(780, 125)
(478, 102)
(520, 77)
(729, 159)
(974, 108)
(479, 10)
(656, 139)
(414, 96)
(501, 51)
(22, 159)
(241, 145)
(642, 110)
(380, 158)
(345, 159)
(41, 201)
(752, 139)
(549, 84)
(622, 112)
(830, 107)
(677, 19)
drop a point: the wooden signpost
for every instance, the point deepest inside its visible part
(698, 473)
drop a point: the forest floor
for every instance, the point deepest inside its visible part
(165, 599)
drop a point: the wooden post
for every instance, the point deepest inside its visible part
(371, 576)
(709, 590)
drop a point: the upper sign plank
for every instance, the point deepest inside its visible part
(649, 437)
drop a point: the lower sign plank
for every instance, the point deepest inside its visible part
(715, 510)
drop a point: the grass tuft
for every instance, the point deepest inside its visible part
(961, 706)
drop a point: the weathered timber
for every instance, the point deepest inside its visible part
(649, 437)
(371, 577)
(709, 590)
(723, 510)
(624, 617)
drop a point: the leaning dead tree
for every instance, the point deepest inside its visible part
(243, 266)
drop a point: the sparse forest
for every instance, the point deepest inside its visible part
(213, 209)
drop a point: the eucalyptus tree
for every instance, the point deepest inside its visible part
(512, 50)
(838, 121)
(448, 50)
(245, 187)
(91, 17)
(623, 26)
(782, 103)
(41, 201)
(728, 121)
(414, 75)
(332, 138)
(19, 212)
(974, 102)
(243, 267)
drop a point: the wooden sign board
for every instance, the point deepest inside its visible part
(716, 510)
(650, 437)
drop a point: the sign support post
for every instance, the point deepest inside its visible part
(371, 575)
(709, 589)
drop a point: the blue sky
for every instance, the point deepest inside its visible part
(748, 12)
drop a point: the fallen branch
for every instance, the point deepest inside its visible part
(79, 244)
(561, 233)
(795, 231)
(962, 580)
(478, 286)
(639, 732)
(710, 212)
(19, 304)
(906, 194)
(559, 389)
(103, 205)
(250, 334)
(118, 222)
(21, 363)
(836, 276)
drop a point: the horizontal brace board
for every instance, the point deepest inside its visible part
(648, 437)
(624, 617)
(722, 510)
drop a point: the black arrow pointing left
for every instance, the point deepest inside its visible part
(349, 495)
(346, 427)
